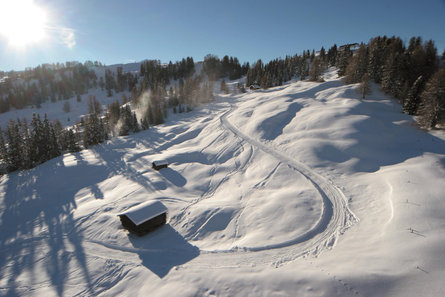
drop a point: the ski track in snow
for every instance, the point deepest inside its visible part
(336, 216)
(335, 219)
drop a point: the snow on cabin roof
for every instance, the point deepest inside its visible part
(144, 211)
(160, 162)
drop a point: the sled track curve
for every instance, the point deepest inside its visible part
(335, 219)
(336, 216)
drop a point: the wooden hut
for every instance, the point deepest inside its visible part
(254, 87)
(158, 164)
(144, 217)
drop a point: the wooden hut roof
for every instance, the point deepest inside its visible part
(144, 212)
(160, 162)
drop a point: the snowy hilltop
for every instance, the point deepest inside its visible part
(300, 190)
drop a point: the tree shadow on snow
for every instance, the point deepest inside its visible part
(40, 237)
(384, 137)
(116, 165)
(394, 141)
(38, 229)
(163, 249)
(173, 176)
(273, 127)
(37, 216)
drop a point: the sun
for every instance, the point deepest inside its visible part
(22, 22)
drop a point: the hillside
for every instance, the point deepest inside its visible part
(298, 190)
(78, 109)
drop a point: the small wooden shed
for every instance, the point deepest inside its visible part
(158, 164)
(254, 87)
(144, 217)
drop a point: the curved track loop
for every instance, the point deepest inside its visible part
(335, 219)
(336, 216)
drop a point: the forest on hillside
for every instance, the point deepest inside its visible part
(414, 74)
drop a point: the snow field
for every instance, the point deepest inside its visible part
(300, 190)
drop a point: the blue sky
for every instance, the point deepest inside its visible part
(113, 31)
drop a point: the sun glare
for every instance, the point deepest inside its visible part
(22, 22)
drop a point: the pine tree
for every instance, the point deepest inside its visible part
(343, 58)
(135, 124)
(364, 87)
(91, 133)
(357, 66)
(54, 147)
(46, 140)
(38, 146)
(431, 62)
(212, 67)
(392, 80)
(376, 59)
(303, 68)
(110, 82)
(411, 103)
(103, 130)
(72, 145)
(332, 55)
(322, 56)
(3, 152)
(126, 120)
(14, 148)
(25, 145)
(432, 110)
(316, 69)
(144, 123)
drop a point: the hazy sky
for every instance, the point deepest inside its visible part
(116, 31)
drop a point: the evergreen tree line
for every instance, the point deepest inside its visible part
(191, 93)
(181, 97)
(47, 82)
(121, 120)
(412, 74)
(24, 146)
(56, 82)
(119, 82)
(278, 71)
(156, 73)
(215, 68)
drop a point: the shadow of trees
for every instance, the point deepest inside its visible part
(173, 176)
(38, 232)
(383, 137)
(382, 141)
(37, 222)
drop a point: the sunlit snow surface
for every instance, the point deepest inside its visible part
(299, 190)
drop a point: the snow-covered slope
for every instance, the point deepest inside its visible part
(77, 109)
(300, 190)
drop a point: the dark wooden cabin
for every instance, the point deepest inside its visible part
(158, 164)
(144, 218)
